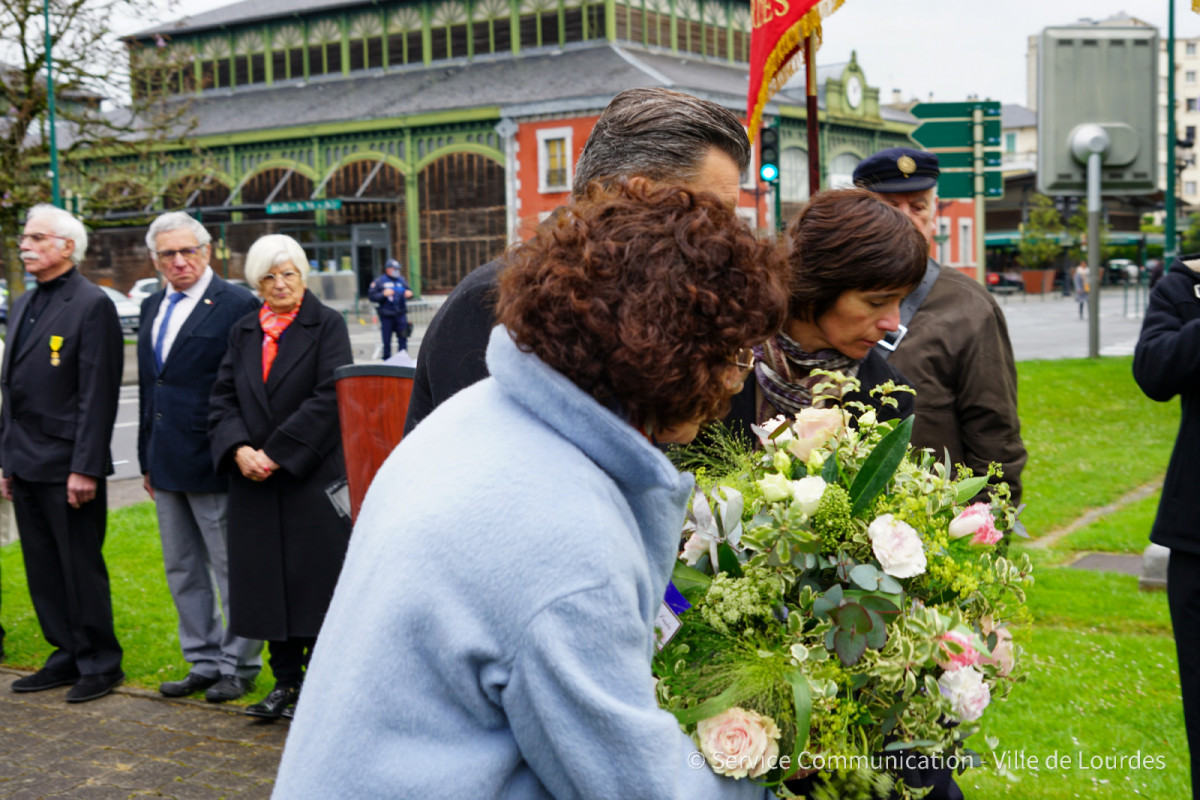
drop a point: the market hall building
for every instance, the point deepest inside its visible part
(433, 131)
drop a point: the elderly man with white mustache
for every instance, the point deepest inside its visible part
(60, 382)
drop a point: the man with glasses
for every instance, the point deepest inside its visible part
(60, 382)
(182, 339)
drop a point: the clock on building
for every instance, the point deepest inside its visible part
(854, 91)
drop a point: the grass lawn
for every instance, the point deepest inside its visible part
(1091, 434)
(1099, 654)
(142, 609)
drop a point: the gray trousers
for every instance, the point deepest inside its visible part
(192, 526)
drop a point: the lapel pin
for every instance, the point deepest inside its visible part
(207, 302)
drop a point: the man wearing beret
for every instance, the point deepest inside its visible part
(956, 350)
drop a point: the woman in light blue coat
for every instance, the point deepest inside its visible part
(494, 639)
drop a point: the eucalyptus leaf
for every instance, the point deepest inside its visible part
(865, 576)
(877, 635)
(849, 646)
(890, 585)
(879, 467)
(965, 490)
(853, 618)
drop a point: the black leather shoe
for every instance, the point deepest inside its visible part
(44, 679)
(230, 687)
(190, 685)
(274, 704)
(93, 687)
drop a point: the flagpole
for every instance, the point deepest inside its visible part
(54, 188)
(814, 146)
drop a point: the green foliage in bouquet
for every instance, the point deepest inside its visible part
(849, 602)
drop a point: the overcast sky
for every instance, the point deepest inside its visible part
(947, 48)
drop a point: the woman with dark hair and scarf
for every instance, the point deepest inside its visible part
(852, 259)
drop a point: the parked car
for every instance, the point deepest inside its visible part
(1122, 270)
(1005, 282)
(127, 310)
(144, 288)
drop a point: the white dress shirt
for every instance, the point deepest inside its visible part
(182, 309)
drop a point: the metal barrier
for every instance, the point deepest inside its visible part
(1136, 296)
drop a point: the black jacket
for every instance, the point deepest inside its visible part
(1167, 363)
(58, 411)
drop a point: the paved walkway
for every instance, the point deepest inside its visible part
(131, 744)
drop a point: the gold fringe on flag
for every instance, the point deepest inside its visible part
(779, 68)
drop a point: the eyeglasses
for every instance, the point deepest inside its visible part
(187, 252)
(288, 277)
(38, 238)
(744, 359)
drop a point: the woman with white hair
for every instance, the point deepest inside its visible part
(273, 427)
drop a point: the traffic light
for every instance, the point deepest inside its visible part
(768, 153)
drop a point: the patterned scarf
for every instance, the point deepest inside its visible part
(784, 374)
(273, 326)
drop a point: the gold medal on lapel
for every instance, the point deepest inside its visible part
(56, 343)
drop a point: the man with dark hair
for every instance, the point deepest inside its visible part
(955, 351)
(61, 379)
(643, 134)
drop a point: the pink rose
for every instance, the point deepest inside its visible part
(957, 651)
(1003, 655)
(739, 743)
(897, 546)
(967, 692)
(976, 519)
(813, 427)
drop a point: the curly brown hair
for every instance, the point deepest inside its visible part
(848, 239)
(642, 295)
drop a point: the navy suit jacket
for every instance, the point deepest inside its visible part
(173, 431)
(57, 418)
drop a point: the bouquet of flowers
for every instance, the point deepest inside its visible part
(841, 605)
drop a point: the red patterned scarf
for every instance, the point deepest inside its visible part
(273, 326)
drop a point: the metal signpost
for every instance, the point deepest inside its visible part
(966, 138)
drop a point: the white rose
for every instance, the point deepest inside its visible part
(968, 694)
(739, 743)
(807, 492)
(897, 546)
(775, 487)
(764, 431)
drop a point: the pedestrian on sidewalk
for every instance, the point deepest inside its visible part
(61, 381)
(183, 336)
(390, 294)
(1082, 289)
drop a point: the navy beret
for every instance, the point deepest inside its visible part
(392, 263)
(898, 169)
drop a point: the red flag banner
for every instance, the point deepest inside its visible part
(779, 30)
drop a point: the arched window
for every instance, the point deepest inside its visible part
(841, 170)
(793, 175)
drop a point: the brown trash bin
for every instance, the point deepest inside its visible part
(372, 404)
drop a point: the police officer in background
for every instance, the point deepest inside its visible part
(390, 294)
(953, 344)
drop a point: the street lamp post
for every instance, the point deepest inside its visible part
(55, 193)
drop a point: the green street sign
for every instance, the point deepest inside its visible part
(990, 108)
(967, 160)
(962, 184)
(956, 133)
(304, 205)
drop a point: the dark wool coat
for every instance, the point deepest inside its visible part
(286, 541)
(1166, 363)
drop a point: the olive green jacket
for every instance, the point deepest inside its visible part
(958, 357)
